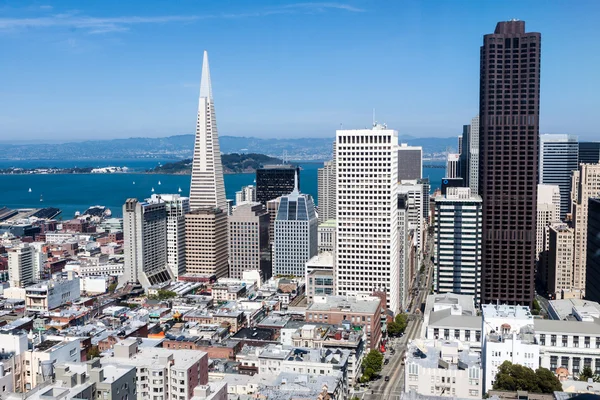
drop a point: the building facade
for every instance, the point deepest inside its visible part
(326, 190)
(410, 162)
(367, 213)
(589, 152)
(453, 165)
(206, 242)
(247, 194)
(560, 259)
(548, 212)
(273, 181)
(592, 279)
(21, 265)
(508, 170)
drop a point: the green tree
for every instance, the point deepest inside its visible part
(93, 352)
(393, 329)
(372, 365)
(513, 377)
(586, 373)
(164, 295)
(402, 321)
(112, 287)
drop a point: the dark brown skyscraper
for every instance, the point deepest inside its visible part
(509, 106)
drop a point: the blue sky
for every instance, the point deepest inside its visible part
(76, 70)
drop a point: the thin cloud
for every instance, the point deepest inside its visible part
(98, 25)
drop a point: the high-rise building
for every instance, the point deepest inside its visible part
(458, 233)
(273, 181)
(405, 235)
(463, 153)
(469, 158)
(272, 207)
(326, 188)
(367, 213)
(296, 230)
(586, 184)
(558, 159)
(508, 170)
(206, 242)
(249, 241)
(176, 206)
(145, 242)
(592, 280)
(207, 188)
(453, 165)
(416, 210)
(589, 152)
(460, 143)
(560, 259)
(548, 212)
(21, 265)
(247, 194)
(426, 198)
(410, 162)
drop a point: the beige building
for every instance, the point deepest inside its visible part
(206, 243)
(249, 240)
(548, 211)
(560, 259)
(20, 265)
(585, 184)
(327, 235)
(272, 207)
(326, 190)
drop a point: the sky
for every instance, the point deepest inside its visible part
(79, 70)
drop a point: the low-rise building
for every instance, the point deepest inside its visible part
(319, 283)
(48, 295)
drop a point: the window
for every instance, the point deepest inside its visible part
(543, 340)
(565, 341)
(576, 341)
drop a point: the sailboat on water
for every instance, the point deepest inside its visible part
(159, 182)
(41, 197)
(29, 190)
(152, 190)
(179, 189)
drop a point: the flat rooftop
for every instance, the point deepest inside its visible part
(340, 303)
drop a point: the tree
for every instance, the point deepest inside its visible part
(372, 365)
(93, 352)
(112, 287)
(164, 295)
(514, 377)
(393, 329)
(402, 321)
(586, 373)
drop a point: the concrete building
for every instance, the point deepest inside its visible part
(367, 182)
(586, 185)
(145, 239)
(273, 181)
(560, 259)
(246, 194)
(168, 373)
(416, 209)
(319, 282)
(469, 157)
(592, 280)
(453, 165)
(206, 242)
(558, 159)
(458, 231)
(443, 368)
(21, 265)
(207, 188)
(326, 189)
(406, 242)
(48, 295)
(589, 152)
(295, 234)
(359, 310)
(410, 162)
(272, 207)
(548, 212)
(326, 231)
(176, 207)
(249, 240)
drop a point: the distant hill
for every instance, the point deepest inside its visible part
(181, 147)
(232, 164)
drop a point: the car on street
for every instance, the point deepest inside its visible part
(387, 378)
(386, 362)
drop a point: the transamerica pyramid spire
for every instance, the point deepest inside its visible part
(207, 188)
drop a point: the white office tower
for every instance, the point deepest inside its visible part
(586, 184)
(410, 162)
(416, 210)
(458, 234)
(176, 207)
(453, 166)
(295, 233)
(249, 241)
(548, 211)
(246, 195)
(508, 335)
(473, 156)
(326, 188)
(367, 213)
(559, 155)
(145, 239)
(207, 188)
(21, 265)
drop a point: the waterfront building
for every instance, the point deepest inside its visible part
(145, 243)
(247, 194)
(410, 162)
(508, 170)
(592, 280)
(207, 186)
(560, 259)
(249, 240)
(273, 181)
(21, 265)
(367, 213)
(453, 165)
(458, 230)
(558, 159)
(296, 232)
(206, 242)
(586, 185)
(589, 152)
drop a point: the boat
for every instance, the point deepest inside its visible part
(179, 189)
(152, 190)
(159, 182)
(41, 198)
(134, 182)
(29, 190)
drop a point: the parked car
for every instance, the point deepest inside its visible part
(387, 378)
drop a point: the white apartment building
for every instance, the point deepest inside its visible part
(458, 234)
(247, 194)
(145, 239)
(21, 265)
(48, 295)
(444, 368)
(548, 211)
(453, 165)
(176, 207)
(367, 250)
(585, 184)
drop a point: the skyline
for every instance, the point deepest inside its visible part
(111, 71)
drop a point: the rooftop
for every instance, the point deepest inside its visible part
(330, 223)
(446, 354)
(574, 327)
(356, 304)
(506, 311)
(561, 309)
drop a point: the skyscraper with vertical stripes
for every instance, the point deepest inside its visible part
(207, 188)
